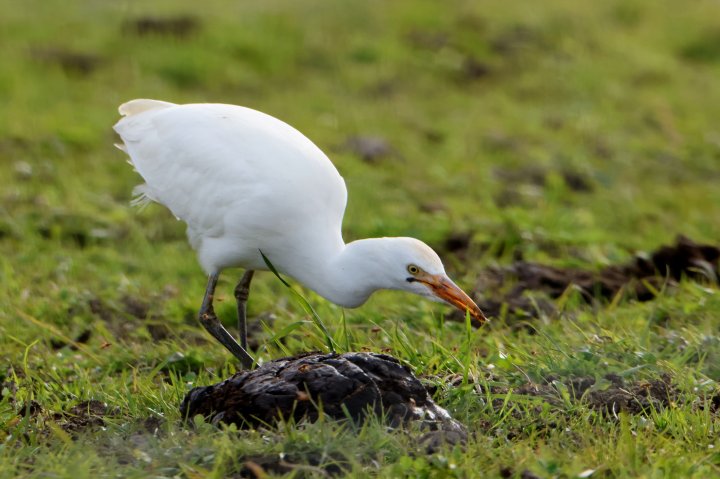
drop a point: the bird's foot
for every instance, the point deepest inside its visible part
(211, 323)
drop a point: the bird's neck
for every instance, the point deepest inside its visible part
(350, 275)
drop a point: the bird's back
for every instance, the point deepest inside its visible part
(240, 179)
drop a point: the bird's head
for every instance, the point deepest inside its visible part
(411, 265)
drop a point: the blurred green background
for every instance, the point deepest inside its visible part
(466, 96)
(571, 133)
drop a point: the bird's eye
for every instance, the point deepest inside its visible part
(412, 269)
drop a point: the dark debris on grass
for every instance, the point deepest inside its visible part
(369, 148)
(635, 397)
(116, 317)
(71, 62)
(610, 395)
(85, 415)
(8, 388)
(343, 386)
(81, 338)
(538, 176)
(177, 26)
(311, 465)
(508, 472)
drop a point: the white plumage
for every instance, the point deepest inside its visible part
(246, 182)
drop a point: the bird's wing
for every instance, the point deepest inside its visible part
(219, 166)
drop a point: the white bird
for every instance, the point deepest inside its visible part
(245, 183)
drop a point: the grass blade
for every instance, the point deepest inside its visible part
(305, 305)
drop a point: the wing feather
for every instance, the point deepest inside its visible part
(226, 169)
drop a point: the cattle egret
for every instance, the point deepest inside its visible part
(247, 185)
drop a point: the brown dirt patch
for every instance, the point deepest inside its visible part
(538, 176)
(535, 176)
(81, 338)
(8, 388)
(508, 472)
(130, 307)
(636, 398)
(87, 414)
(84, 415)
(31, 408)
(370, 149)
(474, 69)
(612, 396)
(71, 62)
(180, 26)
(311, 465)
(503, 288)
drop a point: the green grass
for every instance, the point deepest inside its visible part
(623, 93)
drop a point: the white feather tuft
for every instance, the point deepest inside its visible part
(142, 196)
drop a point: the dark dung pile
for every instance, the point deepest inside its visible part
(350, 385)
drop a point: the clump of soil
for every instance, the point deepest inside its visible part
(518, 182)
(507, 472)
(31, 408)
(457, 243)
(370, 149)
(615, 396)
(538, 176)
(639, 279)
(635, 398)
(313, 465)
(350, 385)
(82, 338)
(517, 39)
(179, 26)
(8, 388)
(131, 307)
(87, 414)
(71, 62)
(474, 69)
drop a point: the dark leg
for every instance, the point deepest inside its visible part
(210, 321)
(242, 291)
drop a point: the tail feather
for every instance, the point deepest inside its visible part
(133, 107)
(142, 193)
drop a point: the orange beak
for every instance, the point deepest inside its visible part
(445, 289)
